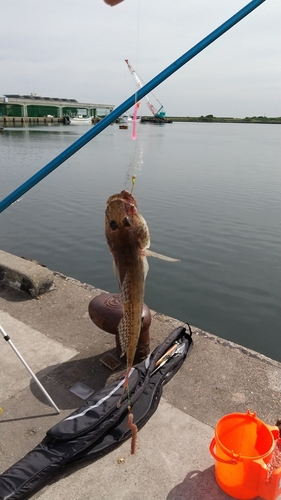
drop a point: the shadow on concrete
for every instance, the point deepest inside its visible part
(13, 295)
(198, 485)
(60, 378)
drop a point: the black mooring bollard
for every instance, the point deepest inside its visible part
(106, 311)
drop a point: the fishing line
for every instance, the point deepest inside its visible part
(136, 163)
(128, 394)
(134, 167)
(130, 422)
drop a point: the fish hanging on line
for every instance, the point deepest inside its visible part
(128, 239)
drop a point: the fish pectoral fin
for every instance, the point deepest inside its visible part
(150, 253)
(145, 267)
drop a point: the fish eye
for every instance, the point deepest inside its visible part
(126, 222)
(113, 224)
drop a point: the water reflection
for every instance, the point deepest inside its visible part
(209, 192)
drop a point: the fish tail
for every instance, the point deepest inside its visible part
(126, 381)
(125, 386)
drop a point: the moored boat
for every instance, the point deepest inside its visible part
(81, 120)
(123, 121)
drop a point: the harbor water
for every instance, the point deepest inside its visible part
(209, 192)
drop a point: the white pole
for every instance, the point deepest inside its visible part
(7, 338)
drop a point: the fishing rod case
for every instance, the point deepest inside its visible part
(100, 425)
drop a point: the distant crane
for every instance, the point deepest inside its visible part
(157, 113)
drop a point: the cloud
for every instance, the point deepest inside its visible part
(77, 49)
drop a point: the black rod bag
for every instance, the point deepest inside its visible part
(100, 425)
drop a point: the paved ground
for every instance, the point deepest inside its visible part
(56, 337)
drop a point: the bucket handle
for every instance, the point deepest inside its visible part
(275, 431)
(233, 461)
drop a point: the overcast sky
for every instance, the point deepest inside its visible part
(76, 49)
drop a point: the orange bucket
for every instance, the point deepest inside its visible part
(242, 447)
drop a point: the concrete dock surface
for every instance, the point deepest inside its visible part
(55, 335)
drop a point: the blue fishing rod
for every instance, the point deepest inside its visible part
(97, 129)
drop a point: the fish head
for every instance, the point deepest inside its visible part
(124, 225)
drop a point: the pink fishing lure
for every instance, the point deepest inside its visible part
(134, 131)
